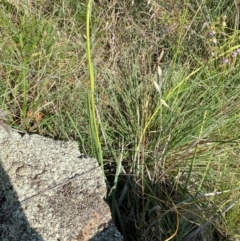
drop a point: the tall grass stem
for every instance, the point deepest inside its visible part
(94, 133)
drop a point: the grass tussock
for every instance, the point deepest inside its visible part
(165, 100)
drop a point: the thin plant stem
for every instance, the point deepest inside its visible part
(94, 133)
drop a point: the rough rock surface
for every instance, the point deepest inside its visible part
(49, 192)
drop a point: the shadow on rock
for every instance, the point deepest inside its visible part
(14, 225)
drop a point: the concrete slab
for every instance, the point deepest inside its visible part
(49, 192)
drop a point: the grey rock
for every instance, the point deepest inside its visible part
(48, 192)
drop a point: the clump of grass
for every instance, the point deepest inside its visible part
(39, 67)
(184, 137)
